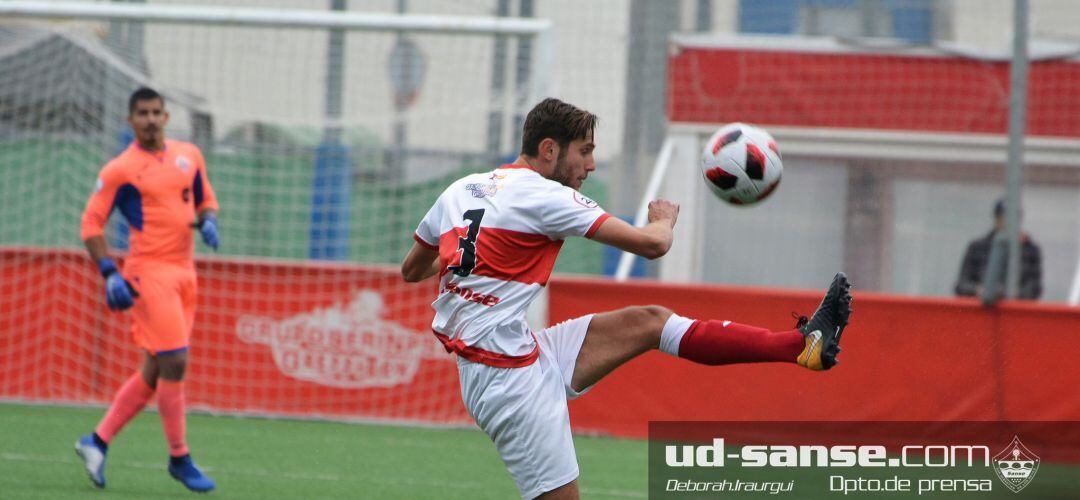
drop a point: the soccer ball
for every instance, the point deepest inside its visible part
(741, 164)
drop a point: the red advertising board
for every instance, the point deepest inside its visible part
(283, 338)
(904, 359)
(353, 343)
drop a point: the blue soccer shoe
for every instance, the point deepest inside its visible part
(93, 457)
(183, 469)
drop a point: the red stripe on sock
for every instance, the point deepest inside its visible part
(712, 343)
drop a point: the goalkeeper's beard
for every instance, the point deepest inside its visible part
(151, 137)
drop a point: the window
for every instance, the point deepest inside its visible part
(909, 20)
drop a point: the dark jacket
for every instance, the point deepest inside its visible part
(973, 270)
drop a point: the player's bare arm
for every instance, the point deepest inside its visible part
(420, 264)
(97, 247)
(651, 241)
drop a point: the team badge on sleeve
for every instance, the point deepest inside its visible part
(99, 185)
(583, 201)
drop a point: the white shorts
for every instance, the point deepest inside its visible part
(523, 410)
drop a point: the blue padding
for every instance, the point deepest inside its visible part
(171, 351)
(196, 187)
(129, 201)
(330, 192)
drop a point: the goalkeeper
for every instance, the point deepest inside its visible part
(160, 187)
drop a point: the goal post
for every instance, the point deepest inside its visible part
(537, 29)
(277, 332)
(675, 176)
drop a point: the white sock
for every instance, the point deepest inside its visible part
(673, 332)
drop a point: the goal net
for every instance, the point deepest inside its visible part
(327, 136)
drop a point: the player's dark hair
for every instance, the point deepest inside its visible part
(143, 94)
(557, 120)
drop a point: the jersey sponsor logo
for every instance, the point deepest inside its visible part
(479, 190)
(470, 295)
(183, 163)
(345, 345)
(583, 201)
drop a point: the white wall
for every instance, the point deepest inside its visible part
(987, 24)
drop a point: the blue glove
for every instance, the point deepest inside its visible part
(208, 229)
(119, 294)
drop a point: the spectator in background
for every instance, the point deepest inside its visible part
(973, 269)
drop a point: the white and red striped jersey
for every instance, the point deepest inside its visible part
(498, 234)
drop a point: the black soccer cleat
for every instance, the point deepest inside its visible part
(822, 331)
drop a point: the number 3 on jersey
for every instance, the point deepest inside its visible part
(466, 252)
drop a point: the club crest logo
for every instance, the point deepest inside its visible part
(183, 163)
(1016, 465)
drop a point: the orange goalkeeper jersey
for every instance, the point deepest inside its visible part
(159, 193)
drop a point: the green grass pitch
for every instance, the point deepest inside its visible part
(266, 458)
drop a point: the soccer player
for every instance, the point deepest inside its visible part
(160, 187)
(492, 238)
